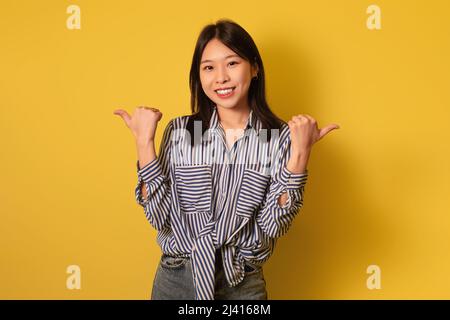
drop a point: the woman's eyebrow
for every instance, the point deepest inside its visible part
(229, 56)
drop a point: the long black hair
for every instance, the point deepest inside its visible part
(237, 39)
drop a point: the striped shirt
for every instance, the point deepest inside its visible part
(209, 197)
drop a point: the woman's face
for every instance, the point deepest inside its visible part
(221, 67)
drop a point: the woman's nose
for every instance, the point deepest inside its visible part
(222, 75)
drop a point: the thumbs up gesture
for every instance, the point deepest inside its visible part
(142, 123)
(304, 133)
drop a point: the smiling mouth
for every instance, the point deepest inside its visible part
(225, 91)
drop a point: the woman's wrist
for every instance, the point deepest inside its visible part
(298, 161)
(146, 152)
(143, 142)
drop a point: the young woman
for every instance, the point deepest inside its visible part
(228, 180)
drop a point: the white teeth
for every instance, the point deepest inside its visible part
(224, 91)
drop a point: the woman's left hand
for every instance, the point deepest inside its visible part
(304, 133)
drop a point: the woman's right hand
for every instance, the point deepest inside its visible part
(142, 123)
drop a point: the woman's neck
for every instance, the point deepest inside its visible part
(234, 118)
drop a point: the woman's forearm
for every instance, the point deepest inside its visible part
(297, 164)
(146, 154)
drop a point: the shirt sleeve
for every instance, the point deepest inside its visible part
(156, 178)
(274, 219)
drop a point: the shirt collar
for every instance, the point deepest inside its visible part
(214, 122)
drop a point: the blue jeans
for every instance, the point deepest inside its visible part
(173, 281)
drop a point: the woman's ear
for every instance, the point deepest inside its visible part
(255, 69)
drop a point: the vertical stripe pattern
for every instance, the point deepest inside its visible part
(208, 196)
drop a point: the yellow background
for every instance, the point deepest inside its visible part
(378, 190)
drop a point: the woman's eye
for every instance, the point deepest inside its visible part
(207, 67)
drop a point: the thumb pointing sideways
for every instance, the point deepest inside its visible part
(124, 115)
